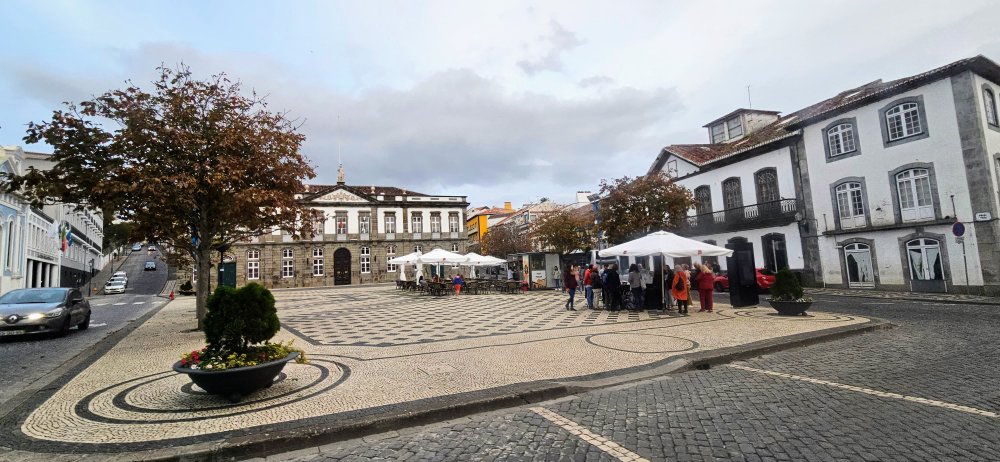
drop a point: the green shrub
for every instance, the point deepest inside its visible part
(786, 286)
(238, 318)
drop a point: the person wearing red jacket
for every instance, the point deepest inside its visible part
(705, 282)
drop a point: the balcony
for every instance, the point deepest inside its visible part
(763, 215)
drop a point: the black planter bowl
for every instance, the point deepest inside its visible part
(239, 382)
(790, 308)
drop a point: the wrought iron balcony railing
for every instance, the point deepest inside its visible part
(766, 214)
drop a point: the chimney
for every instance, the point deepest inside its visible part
(507, 206)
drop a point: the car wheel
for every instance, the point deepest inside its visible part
(65, 327)
(85, 324)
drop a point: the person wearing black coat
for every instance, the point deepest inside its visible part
(668, 278)
(614, 286)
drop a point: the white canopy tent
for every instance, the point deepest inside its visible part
(667, 245)
(440, 257)
(408, 259)
(474, 260)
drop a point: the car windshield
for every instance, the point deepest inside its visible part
(33, 296)
(115, 283)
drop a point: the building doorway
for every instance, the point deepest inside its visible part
(775, 252)
(341, 267)
(926, 269)
(860, 271)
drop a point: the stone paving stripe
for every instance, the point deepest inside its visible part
(598, 441)
(868, 391)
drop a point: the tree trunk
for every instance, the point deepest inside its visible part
(204, 262)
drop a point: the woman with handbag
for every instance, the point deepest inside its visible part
(681, 289)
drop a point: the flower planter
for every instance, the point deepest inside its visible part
(790, 308)
(238, 382)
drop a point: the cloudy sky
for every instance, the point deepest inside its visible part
(493, 100)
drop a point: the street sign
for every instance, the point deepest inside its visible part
(958, 229)
(983, 216)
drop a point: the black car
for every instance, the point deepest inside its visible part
(43, 310)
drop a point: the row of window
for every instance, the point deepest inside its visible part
(727, 130)
(364, 224)
(318, 265)
(913, 195)
(901, 121)
(765, 182)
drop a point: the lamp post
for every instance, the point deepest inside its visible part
(90, 282)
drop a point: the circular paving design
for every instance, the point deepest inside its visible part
(809, 316)
(171, 397)
(633, 342)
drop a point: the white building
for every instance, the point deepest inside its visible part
(880, 174)
(744, 182)
(30, 247)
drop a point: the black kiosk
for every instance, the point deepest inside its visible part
(742, 273)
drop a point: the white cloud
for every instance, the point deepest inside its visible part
(554, 45)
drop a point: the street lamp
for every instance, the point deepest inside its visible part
(90, 282)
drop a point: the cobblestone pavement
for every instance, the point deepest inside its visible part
(914, 296)
(926, 390)
(431, 348)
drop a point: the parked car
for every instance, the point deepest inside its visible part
(137, 246)
(152, 248)
(765, 279)
(114, 287)
(150, 266)
(121, 279)
(119, 273)
(43, 310)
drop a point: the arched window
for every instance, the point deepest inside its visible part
(914, 187)
(990, 103)
(903, 120)
(732, 194)
(317, 262)
(850, 205)
(925, 259)
(253, 264)
(841, 139)
(287, 263)
(767, 185)
(703, 199)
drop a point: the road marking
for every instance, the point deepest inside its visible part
(602, 443)
(99, 325)
(98, 304)
(118, 304)
(869, 391)
(138, 303)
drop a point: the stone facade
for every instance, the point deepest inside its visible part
(354, 240)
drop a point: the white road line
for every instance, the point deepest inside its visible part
(138, 303)
(868, 391)
(118, 304)
(98, 304)
(99, 325)
(602, 443)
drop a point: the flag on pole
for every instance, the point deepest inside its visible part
(63, 235)
(69, 235)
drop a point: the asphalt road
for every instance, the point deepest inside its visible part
(925, 390)
(28, 359)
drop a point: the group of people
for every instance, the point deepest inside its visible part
(456, 281)
(679, 281)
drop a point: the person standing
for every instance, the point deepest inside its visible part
(706, 284)
(596, 283)
(571, 285)
(558, 277)
(680, 288)
(636, 286)
(458, 282)
(668, 280)
(588, 288)
(614, 285)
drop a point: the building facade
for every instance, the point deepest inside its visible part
(31, 250)
(358, 229)
(883, 178)
(478, 222)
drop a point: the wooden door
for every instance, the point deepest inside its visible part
(341, 267)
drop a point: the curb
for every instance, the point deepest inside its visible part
(911, 299)
(409, 414)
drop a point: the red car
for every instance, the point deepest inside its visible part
(765, 279)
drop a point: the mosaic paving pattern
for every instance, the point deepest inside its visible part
(394, 348)
(390, 318)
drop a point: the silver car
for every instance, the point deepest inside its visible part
(114, 287)
(46, 310)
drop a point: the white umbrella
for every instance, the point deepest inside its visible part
(406, 259)
(441, 257)
(667, 245)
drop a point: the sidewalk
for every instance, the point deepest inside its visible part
(914, 296)
(379, 359)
